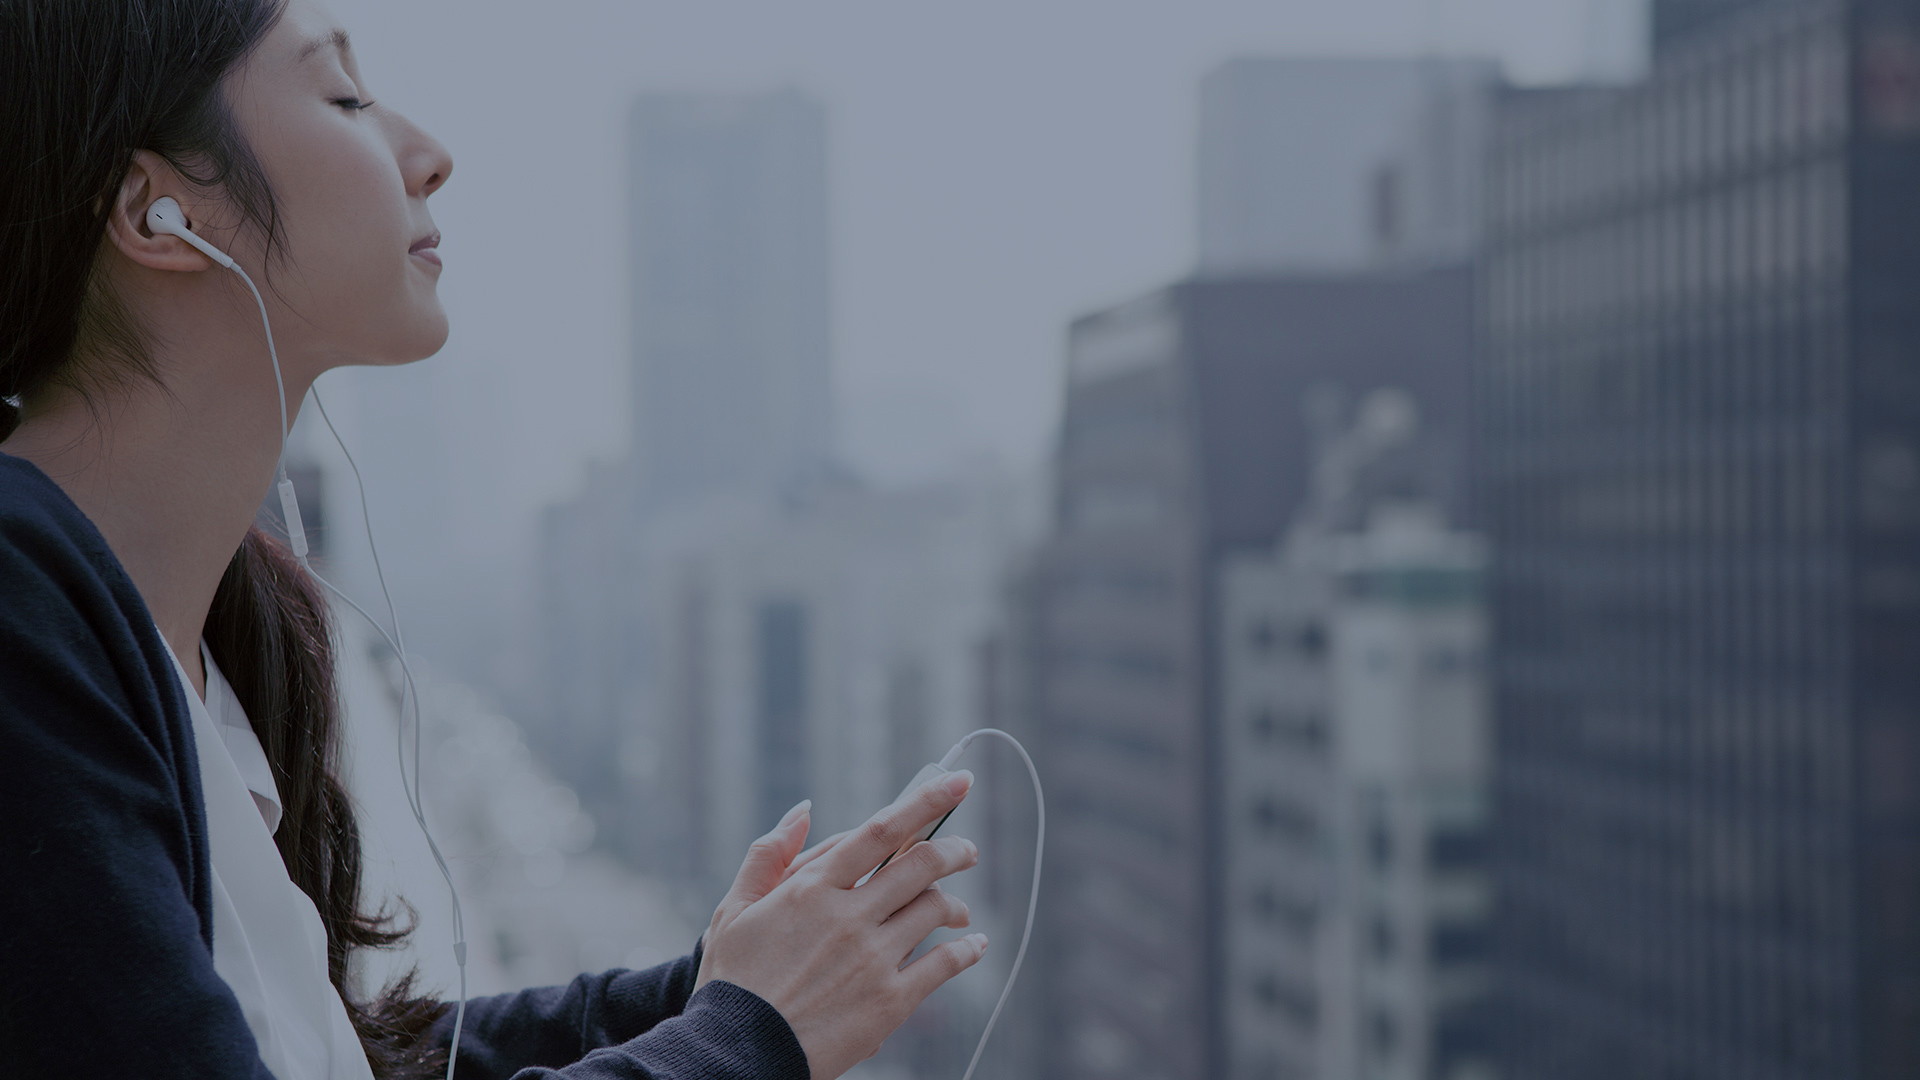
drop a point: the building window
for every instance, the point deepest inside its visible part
(1456, 849)
(1282, 820)
(1262, 636)
(1295, 917)
(1380, 844)
(1295, 1003)
(1450, 945)
(1303, 731)
(1383, 1033)
(1382, 938)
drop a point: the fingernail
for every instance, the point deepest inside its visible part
(802, 807)
(979, 941)
(959, 782)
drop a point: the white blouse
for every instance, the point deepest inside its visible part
(268, 942)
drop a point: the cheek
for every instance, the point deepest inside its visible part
(348, 230)
(360, 220)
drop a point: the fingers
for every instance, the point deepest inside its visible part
(816, 851)
(766, 863)
(903, 879)
(943, 962)
(887, 831)
(928, 912)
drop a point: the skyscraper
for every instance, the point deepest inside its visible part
(1701, 432)
(728, 212)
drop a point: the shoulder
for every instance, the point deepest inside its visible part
(38, 522)
(74, 633)
(57, 566)
(94, 728)
(44, 538)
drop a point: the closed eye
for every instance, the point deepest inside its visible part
(351, 103)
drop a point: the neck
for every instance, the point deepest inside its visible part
(170, 470)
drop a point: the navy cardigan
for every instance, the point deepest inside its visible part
(106, 921)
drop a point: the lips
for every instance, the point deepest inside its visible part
(426, 247)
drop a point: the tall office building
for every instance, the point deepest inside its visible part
(1186, 437)
(1327, 165)
(1700, 403)
(728, 212)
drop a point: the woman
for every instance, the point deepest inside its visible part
(179, 894)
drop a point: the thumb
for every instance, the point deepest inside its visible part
(766, 863)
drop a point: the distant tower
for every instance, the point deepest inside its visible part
(728, 205)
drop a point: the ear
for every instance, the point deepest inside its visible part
(148, 180)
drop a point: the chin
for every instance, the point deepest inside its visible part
(423, 336)
(436, 337)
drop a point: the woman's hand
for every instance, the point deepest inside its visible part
(796, 932)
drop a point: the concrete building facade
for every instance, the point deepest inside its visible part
(1354, 728)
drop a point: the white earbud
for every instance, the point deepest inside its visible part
(164, 216)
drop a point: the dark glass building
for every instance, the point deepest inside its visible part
(1185, 437)
(1699, 413)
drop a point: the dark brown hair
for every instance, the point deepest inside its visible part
(83, 85)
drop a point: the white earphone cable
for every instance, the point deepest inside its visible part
(409, 690)
(1033, 897)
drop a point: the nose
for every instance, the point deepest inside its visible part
(424, 162)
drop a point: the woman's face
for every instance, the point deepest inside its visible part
(351, 178)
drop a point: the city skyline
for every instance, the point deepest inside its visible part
(989, 186)
(720, 665)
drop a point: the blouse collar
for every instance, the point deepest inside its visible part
(243, 746)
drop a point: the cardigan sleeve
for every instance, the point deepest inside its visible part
(627, 1025)
(106, 966)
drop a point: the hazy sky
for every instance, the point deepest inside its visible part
(997, 167)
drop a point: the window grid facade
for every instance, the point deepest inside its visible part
(1695, 346)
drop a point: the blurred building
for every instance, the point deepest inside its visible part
(588, 633)
(1353, 726)
(728, 212)
(1338, 165)
(823, 648)
(1700, 424)
(1186, 438)
(731, 409)
(828, 648)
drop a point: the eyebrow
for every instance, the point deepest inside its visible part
(337, 38)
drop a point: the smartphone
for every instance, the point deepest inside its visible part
(920, 778)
